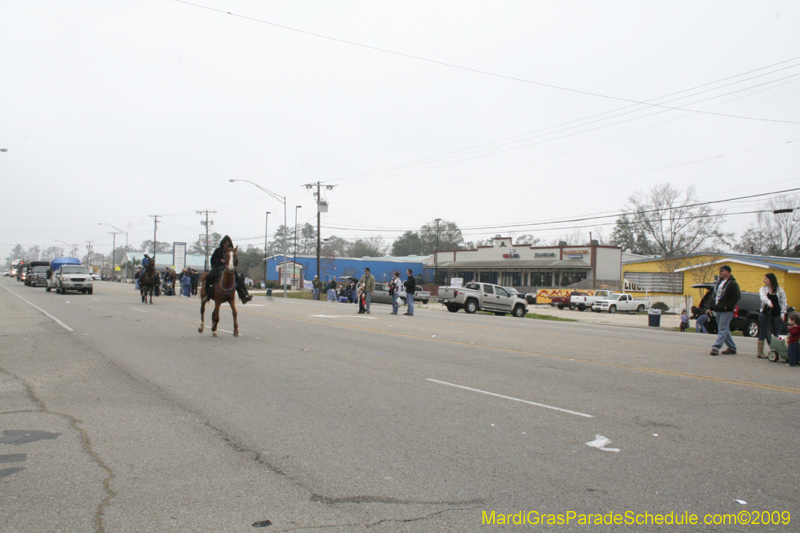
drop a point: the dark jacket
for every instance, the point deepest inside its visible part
(411, 285)
(217, 257)
(730, 296)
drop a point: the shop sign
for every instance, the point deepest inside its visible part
(575, 256)
(544, 254)
(576, 251)
(511, 255)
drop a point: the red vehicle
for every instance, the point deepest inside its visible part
(564, 301)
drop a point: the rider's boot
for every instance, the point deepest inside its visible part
(241, 290)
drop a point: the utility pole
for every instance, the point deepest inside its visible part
(266, 233)
(206, 224)
(321, 206)
(155, 242)
(88, 252)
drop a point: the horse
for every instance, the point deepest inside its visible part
(148, 281)
(224, 291)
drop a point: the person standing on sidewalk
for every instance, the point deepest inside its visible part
(411, 288)
(367, 281)
(773, 312)
(726, 295)
(316, 285)
(394, 291)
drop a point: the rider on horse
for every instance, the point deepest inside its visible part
(217, 266)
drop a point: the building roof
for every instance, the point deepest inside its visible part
(513, 264)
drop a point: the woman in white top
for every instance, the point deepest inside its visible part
(773, 312)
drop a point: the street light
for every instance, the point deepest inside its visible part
(73, 246)
(436, 255)
(294, 261)
(266, 232)
(115, 249)
(281, 199)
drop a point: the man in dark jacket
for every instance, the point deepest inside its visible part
(723, 302)
(217, 266)
(411, 288)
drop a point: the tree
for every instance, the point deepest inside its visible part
(163, 247)
(199, 248)
(674, 221)
(526, 238)
(283, 235)
(17, 253)
(307, 239)
(335, 246)
(629, 237)
(773, 234)
(369, 247)
(450, 237)
(409, 243)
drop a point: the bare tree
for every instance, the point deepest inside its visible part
(773, 234)
(674, 221)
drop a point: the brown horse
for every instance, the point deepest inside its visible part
(224, 291)
(148, 281)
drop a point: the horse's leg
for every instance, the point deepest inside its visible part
(232, 301)
(215, 317)
(202, 314)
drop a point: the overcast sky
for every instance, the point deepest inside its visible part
(489, 114)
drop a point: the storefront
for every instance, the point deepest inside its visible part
(528, 267)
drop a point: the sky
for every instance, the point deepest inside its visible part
(506, 117)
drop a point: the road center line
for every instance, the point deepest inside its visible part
(41, 310)
(141, 311)
(509, 398)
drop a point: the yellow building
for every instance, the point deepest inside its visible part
(670, 280)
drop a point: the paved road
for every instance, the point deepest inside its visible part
(118, 416)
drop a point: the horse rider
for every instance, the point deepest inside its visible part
(217, 267)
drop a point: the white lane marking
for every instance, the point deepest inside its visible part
(345, 316)
(141, 311)
(226, 331)
(510, 398)
(40, 309)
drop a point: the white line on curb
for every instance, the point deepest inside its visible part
(40, 309)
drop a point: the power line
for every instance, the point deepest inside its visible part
(468, 69)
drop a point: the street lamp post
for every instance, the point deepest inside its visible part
(281, 199)
(294, 261)
(126, 246)
(436, 255)
(266, 232)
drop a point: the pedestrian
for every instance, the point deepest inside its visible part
(394, 291)
(700, 320)
(195, 280)
(136, 278)
(316, 285)
(684, 321)
(411, 288)
(793, 339)
(353, 293)
(723, 302)
(773, 312)
(331, 288)
(368, 283)
(186, 284)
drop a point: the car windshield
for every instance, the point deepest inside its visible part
(77, 269)
(40, 269)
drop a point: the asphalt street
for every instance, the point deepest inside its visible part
(118, 416)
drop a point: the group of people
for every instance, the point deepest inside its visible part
(361, 292)
(188, 277)
(774, 310)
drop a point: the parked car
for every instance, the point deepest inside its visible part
(565, 301)
(381, 294)
(745, 314)
(476, 296)
(583, 301)
(530, 297)
(621, 302)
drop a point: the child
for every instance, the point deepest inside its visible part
(793, 339)
(684, 321)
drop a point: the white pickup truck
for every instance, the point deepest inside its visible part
(476, 296)
(585, 301)
(621, 302)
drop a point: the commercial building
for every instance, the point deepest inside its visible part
(529, 267)
(670, 280)
(338, 267)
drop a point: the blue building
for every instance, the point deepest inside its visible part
(336, 267)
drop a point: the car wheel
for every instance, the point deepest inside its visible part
(424, 302)
(752, 328)
(612, 309)
(572, 307)
(90, 291)
(640, 309)
(471, 306)
(452, 308)
(772, 356)
(560, 306)
(581, 307)
(519, 311)
(47, 289)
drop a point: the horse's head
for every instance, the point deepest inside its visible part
(231, 258)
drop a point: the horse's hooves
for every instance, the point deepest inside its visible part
(235, 333)
(214, 334)
(200, 329)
